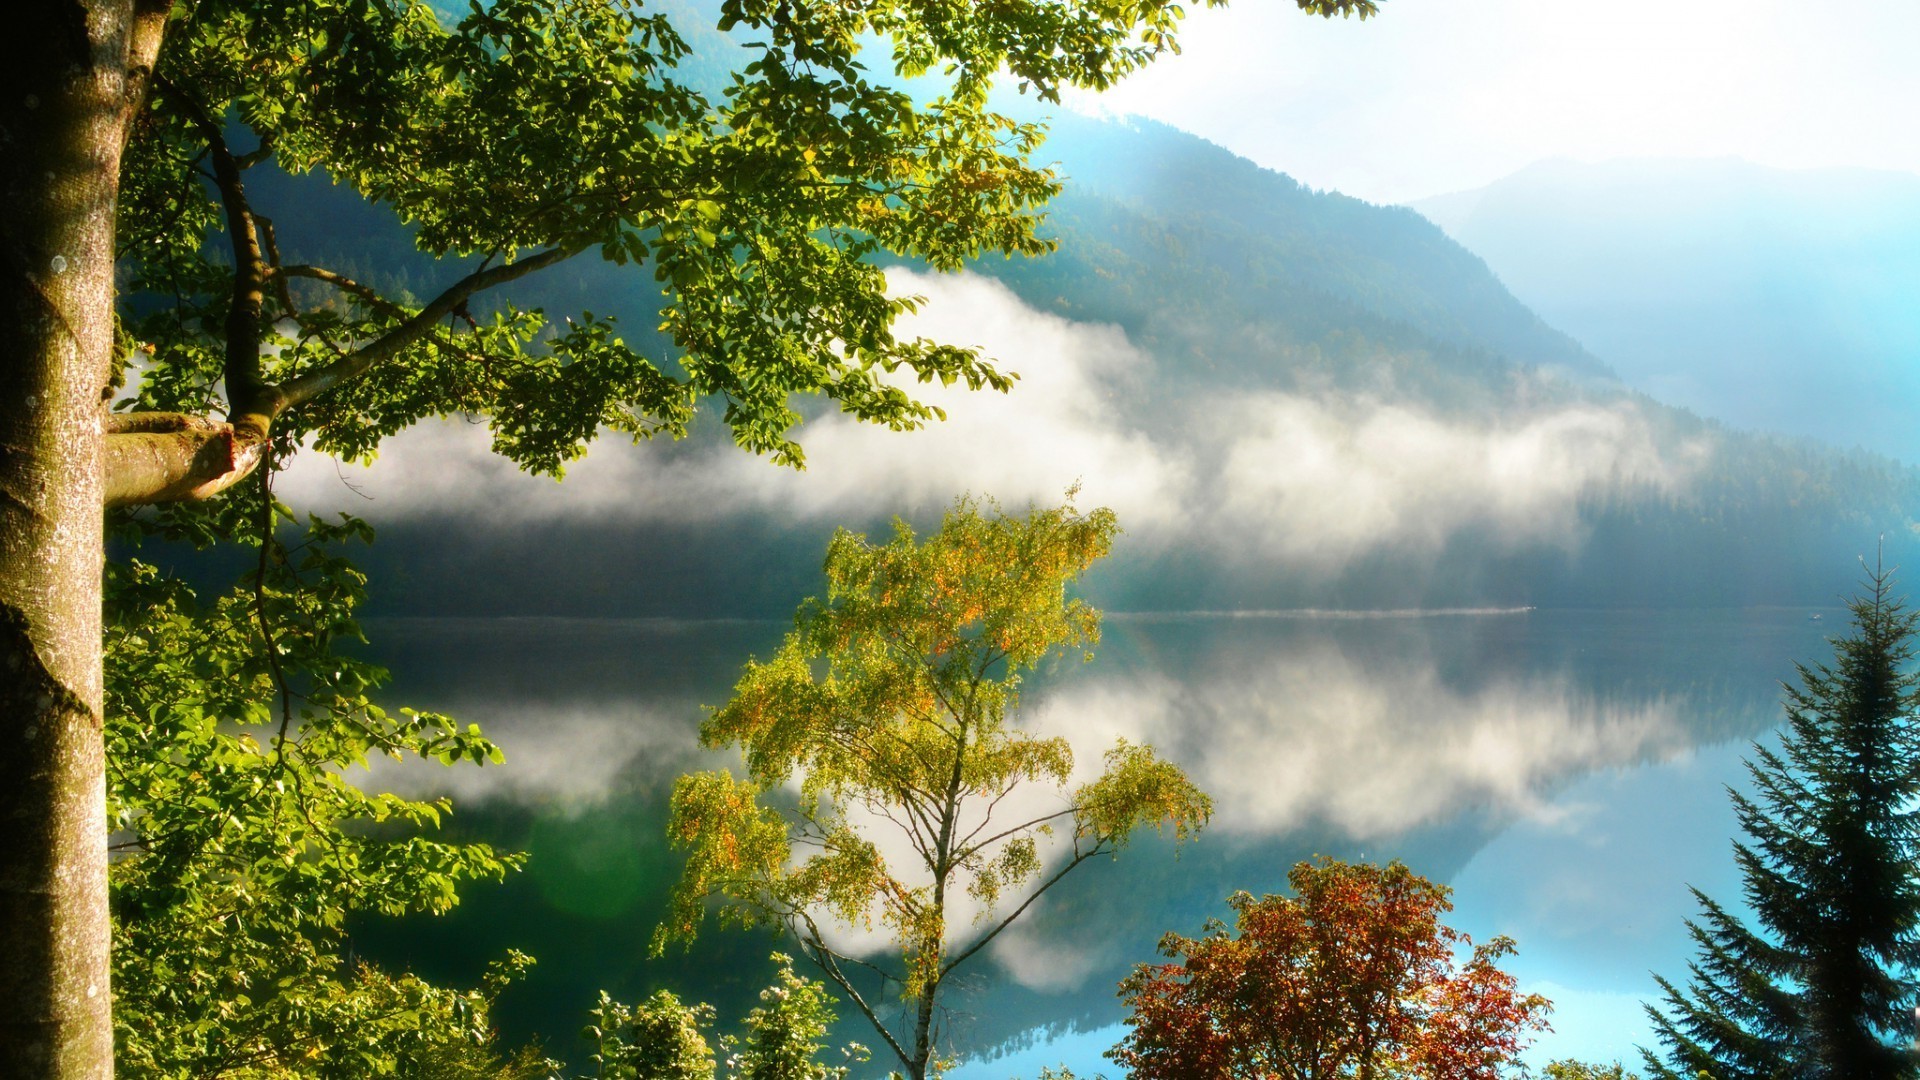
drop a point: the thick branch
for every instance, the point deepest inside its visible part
(169, 457)
(149, 26)
(1078, 858)
(247, 391)
(138, 423)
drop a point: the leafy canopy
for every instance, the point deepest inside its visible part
(1353, 975)
(508, 137)
(892, 706)
(1571, 1069)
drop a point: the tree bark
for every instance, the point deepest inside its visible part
(70, 75)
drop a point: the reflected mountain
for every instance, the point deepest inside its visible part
(1424, 737)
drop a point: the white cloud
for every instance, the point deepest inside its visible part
(1046, 960)
(1307, 735)
(1308, 482)
(967, 916)
(566, 754)
(1319, 482)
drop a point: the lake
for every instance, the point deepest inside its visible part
(1562, 770)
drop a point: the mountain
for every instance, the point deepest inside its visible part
(1157, 225)
(1771, 299)
(1293, 398)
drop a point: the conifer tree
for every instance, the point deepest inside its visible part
(1821, 986)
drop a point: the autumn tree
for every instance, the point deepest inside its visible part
(1353, 975)
(509, 138)
(892, 706)
(1820, 980)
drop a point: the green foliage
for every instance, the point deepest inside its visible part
(658, 1039)
(522, 132)
(891, 704)
(242, 846)
(1824, 984)
(508, 137)
(786, 1032)
(662, 1039)
(1570, 1069)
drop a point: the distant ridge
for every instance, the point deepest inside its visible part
(1292, 264)
(1768, 298)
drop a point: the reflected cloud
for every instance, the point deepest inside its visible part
(569, 755)
(1049, 962)
(1335, 735)
(1314, 737)
(967, 916)
(1295, 733)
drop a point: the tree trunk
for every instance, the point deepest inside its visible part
(922, 1034)
(69, 73)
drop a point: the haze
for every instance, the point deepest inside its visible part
(1434, 97)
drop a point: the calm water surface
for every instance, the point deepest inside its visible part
(1562, 770)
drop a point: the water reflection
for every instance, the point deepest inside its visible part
(1547, 762)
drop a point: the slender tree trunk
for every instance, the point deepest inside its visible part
(923, 1034)
(68, 76)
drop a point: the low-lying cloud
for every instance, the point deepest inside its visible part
(1293, 478)
(1062, 424)
(1321, 482)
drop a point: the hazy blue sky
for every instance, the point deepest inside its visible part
(1441, 95)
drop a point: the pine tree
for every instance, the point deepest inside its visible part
(1822, 986)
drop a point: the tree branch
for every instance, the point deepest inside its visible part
(171, 457)
(366, 293)
(247, 392)
(272, 242)
(969, 849)
(827, 961)
(193, 459)
(143, 50)
(1078, 858)
(413, 329)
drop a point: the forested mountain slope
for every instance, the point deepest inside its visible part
(1209, 257)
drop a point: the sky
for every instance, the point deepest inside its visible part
(1435, 96)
